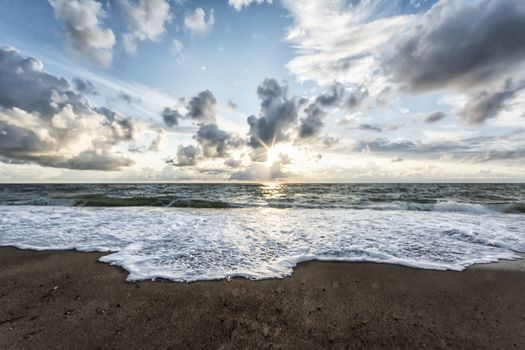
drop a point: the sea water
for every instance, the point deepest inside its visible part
(190, 232)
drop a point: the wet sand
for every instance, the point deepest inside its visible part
(59, 300)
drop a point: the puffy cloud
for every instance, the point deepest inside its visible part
(487, 104)
(460, 44)
(239, 4)
(197, 23)
(215, 142)
(186, 156)
(312, 124)
(43, 120)
(277, 115)
(171, 116)
(147, 20)
(159, 142)
(203, 107)
(435, 116)
(82, 21)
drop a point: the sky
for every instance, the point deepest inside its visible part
(261, 90)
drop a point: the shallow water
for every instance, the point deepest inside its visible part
(257, 243)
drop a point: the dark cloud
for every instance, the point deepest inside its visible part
(93, 160)
(333, 97)
(84, 86)
(186, 156)
(460, 44)
(216, 142)
(487, 104)
(313, 123)
(25, 85)
(43, 120)
(203, 107)
(277, 116)
(171, 116)
(397, 160)
(435, 116)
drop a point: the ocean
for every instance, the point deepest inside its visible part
(191, 232)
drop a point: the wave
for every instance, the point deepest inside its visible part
(191, 245)
(171, 202)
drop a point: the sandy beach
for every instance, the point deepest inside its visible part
(68, 299)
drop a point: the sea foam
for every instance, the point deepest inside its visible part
(259, 243)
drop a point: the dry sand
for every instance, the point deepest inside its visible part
(66, 300)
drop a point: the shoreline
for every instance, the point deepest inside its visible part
(517, 265)
(64, 299)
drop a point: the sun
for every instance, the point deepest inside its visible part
(272, 155)
(280, 152)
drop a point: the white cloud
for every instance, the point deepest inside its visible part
(147, 20)
(197, 23)
(239, 4)
(177, 46)
(344, 50)
(82, 21)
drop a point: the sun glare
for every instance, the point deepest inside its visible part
(280, 152)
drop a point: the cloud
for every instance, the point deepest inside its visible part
(435, 116)
(233, 163)
(215, 142)
(261, 172)
(376, 44)
(203, 107)
(345, 50)
(171, 116)
(128, 98)
(159, 142)
(177, 46)
(82, 20)
(239, 4)
(333, 97)
(313, 123)
(233, 105)
(277, 116)
(147, 20)
(461, 44)
(84, 86)
(369, 127)
(356, 96)
(42, 120)
(197, 23)
(487, 104)
(186, 156)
